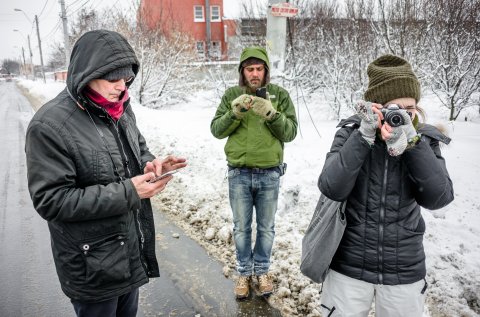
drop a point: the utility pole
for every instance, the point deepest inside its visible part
(31, 55)
(23, 56)
(66, 37)
(32, 70)
(207, 28)
(40, 49)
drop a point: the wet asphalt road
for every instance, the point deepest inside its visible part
(28, 283)
(191, 284)
(198, 280)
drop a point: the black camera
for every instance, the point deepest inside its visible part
(393, 116)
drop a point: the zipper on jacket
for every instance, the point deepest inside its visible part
(142, 237)
(129, 174)
(382, 220)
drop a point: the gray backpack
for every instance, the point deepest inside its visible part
(322, 238)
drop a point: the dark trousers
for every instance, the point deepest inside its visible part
(122, 306)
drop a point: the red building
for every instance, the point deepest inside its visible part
(202, 20)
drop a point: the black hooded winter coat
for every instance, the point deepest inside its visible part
(383, 240)
(79, 163)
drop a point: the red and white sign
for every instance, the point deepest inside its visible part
(286, 10)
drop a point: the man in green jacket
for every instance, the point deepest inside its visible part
(256, 128)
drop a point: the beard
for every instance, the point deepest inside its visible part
(254, 83)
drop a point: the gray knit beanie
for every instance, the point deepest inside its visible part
(120, 73)
(391, 77)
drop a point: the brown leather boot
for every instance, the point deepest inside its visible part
(242, 288)
(265, 284)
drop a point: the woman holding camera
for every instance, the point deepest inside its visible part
(386, 165)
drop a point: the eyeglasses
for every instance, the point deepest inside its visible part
(126, 80)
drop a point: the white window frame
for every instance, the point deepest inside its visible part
(195, 17)
(219, 18)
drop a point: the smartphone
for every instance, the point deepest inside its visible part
(156, 179)
(261, 92)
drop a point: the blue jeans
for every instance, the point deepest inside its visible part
(250, 188)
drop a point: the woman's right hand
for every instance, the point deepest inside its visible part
(145, 189)
(372, 117)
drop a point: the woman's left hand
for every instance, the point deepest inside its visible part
(167, 164)
(397, 138)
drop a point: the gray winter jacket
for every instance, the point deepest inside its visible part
(383, 240)
(102, 233)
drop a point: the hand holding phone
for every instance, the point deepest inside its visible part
(157, 178)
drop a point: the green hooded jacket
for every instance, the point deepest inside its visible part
(252, 141)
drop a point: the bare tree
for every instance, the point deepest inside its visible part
(56, 59)
(84, 21)
(363, 44)
(401, 27)
(453, 62)
(11, 66)
(165, 55)
(329, 52)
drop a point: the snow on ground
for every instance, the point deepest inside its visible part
(197, 199)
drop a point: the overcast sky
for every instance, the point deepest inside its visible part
(51, 29)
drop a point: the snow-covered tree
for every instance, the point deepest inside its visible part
(166, 56)
(329, 52)
(453, 62)
(401, 27)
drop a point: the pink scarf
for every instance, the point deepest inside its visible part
(114, 109)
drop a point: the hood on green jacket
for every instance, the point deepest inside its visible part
(95, 54)
(254, 52)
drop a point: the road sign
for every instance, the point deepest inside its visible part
(286, 10)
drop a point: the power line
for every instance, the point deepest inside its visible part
(50, 9)
(72, 4)
(72, 12)
(55, 28)
(43, 8)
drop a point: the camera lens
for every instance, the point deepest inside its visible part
(394, 119)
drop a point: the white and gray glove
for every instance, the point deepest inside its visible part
(402, 136)
(241, 105)
(263, 108)
(368, 125)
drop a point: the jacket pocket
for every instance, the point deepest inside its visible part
(68, 259)
(418, 227)
(106, 260)
(102, 166)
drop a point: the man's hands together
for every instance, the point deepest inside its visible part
(262, 107)
(144, 188)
